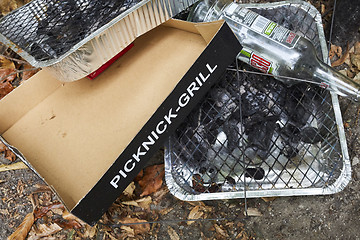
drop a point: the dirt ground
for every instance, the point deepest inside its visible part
(308, 217)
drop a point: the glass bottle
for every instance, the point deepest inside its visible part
(274, 49)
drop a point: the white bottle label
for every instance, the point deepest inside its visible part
(244, 17)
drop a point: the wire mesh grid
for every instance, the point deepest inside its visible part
(254, 136)
(47, 29)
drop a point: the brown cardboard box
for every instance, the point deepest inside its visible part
(89, 139)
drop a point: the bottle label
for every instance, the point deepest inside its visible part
(255, 60)
(271, 30)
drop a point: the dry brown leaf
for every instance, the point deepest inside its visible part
(110, 236)
(142, 202)
(90, 231)
(128, 230)
(355, 60)
(68, 216)
(152, 179)
(67, 224)
(23, 230)
(42, 211)
(6, 6)
(129, 190)
(343, 58)
(253, 212)
(28, 72)
(195, 213)
(357, 77)
(173, 234)
(220, 230)
(2, 147)
(140, 226)
(43, 230)
(5, 89)
(159, 195)
(7, 70)
(13, 166)
(9, 155)
(357, 48)
(335, 51)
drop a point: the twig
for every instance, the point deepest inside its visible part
(18, 71)
(14, 59)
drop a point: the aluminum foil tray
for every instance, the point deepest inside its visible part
(73, 38)
(252, 136)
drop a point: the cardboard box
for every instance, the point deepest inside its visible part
(89, 139)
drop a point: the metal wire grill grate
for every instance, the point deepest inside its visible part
(47, 29)
(253, 133)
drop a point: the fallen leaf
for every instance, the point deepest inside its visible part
(13, 166)
(139, 226)
(23, 230)
(5, 88)
(70, 217)
(357, 77)
(129, 190)
(90, 231)
(343, 58)
(355, 60)
(357, 48)
(160, 194)
(6, 6)
(195, 213)
(42, 211)
(335, 51)
(28, 71)
(220, 230)
(173, 234)
(152, 179)
(67, 224)
(110, 236)
(142, 202)
(253, 212)
(43, 230)
(128, 230)
(9, 155)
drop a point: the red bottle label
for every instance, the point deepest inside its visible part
(260, 63)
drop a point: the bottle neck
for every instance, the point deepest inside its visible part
(328, 77)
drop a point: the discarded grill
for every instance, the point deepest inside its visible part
(252, 136)
(75, 37)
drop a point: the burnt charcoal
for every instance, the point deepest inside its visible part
(214, 188)
(260, 130)
(232, 132)
(255, 173)
(310, 135)
(298, 106)
(254, 155)
(253, 102)
(290, 133)
(230, 180)
(224, 103)
(290, 151)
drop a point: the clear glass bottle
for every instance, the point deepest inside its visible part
(274, 49)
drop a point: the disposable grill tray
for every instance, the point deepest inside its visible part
(253, 136)
(75, 37)
(47, 29)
